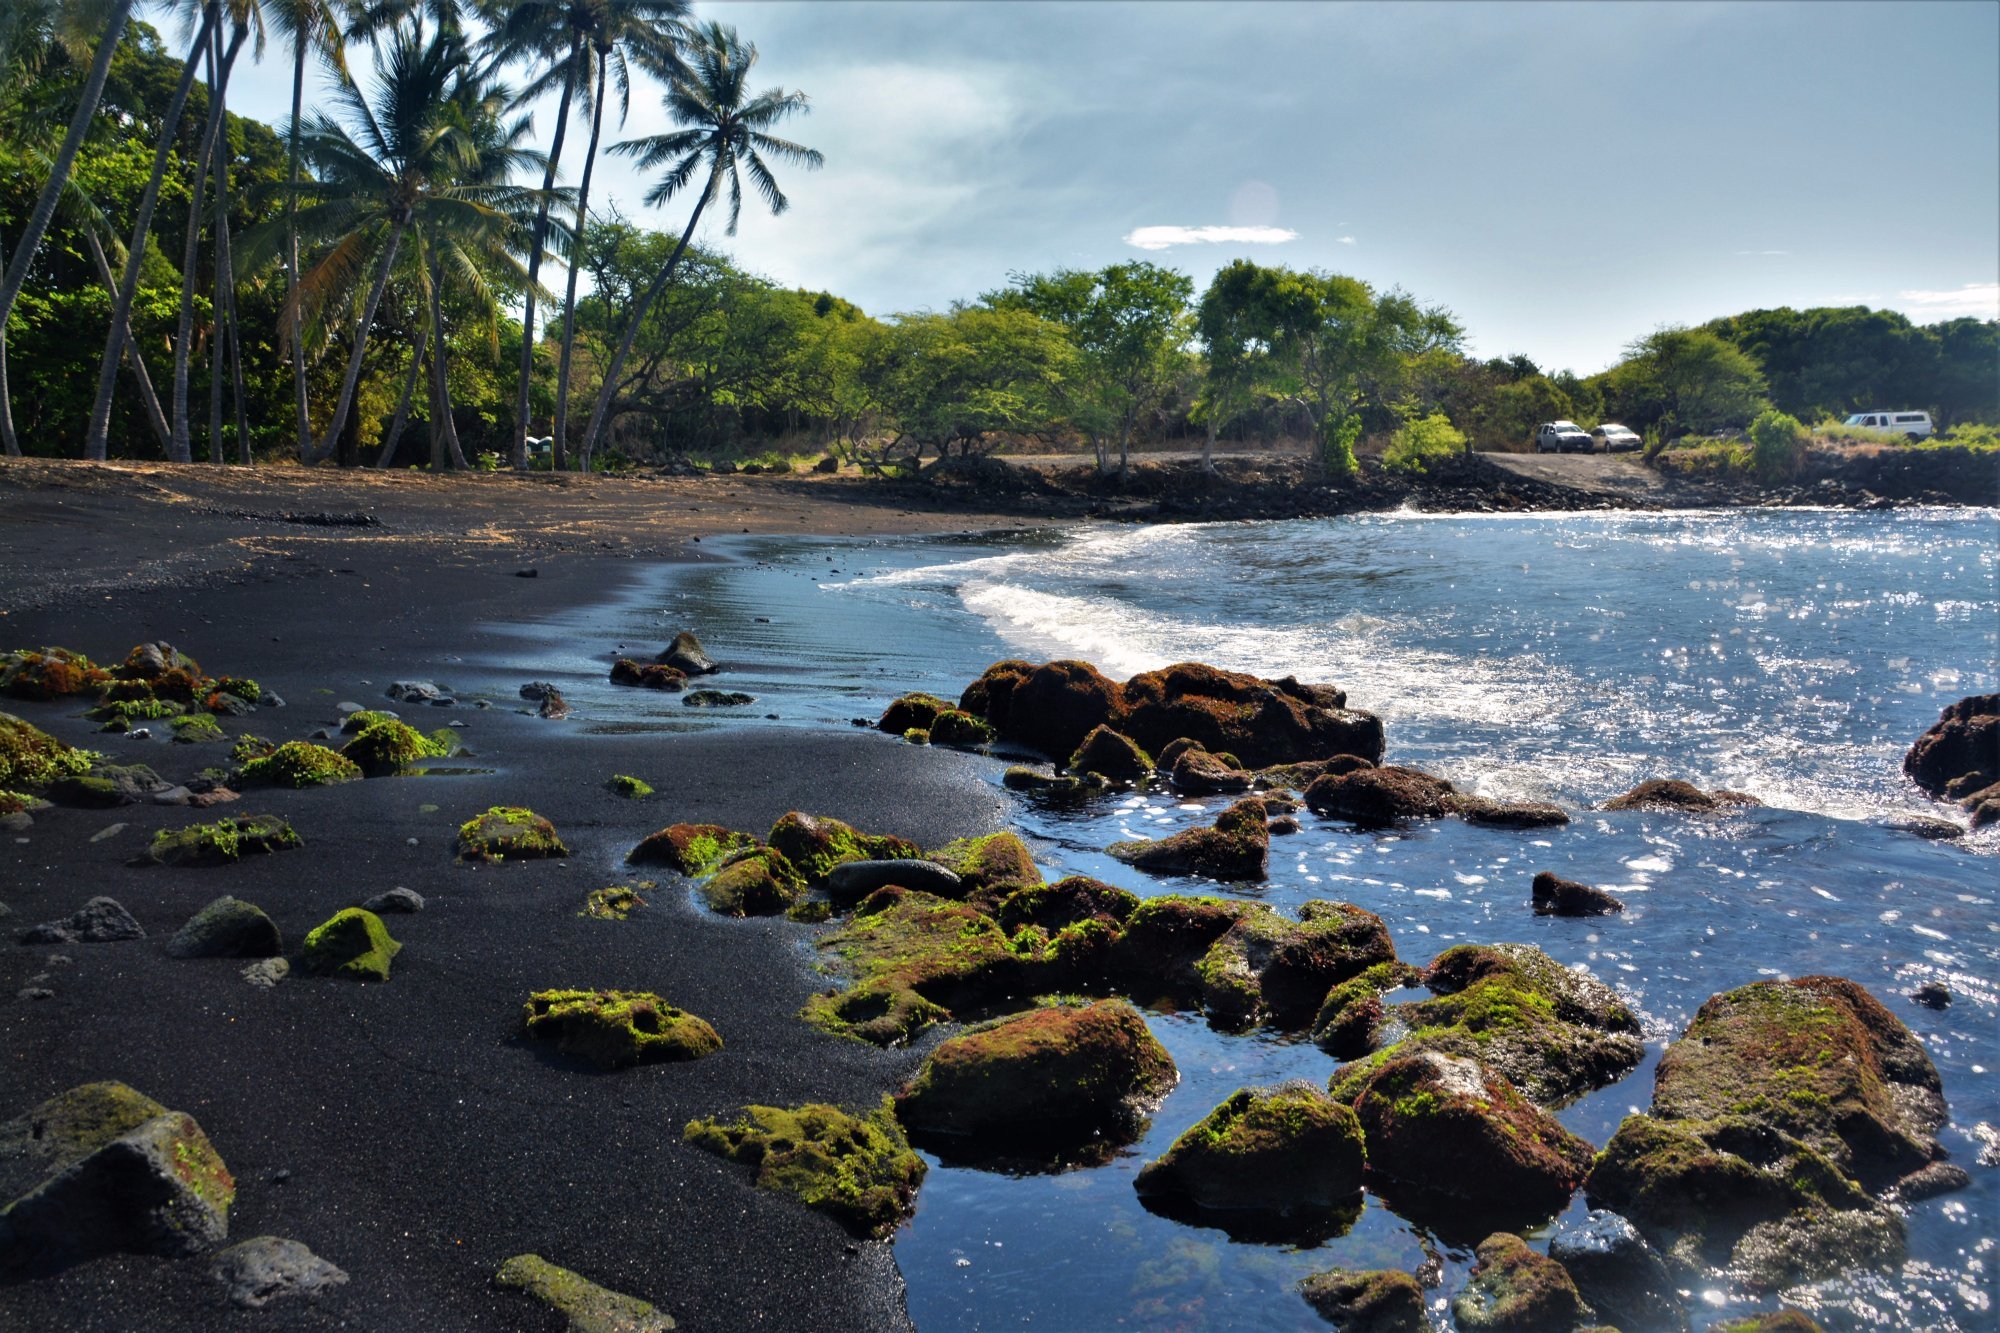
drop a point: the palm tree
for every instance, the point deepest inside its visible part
(600, 39)
(411, 161)
(725, 128)
(24, 23)
(96, 436)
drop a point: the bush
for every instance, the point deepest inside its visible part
(1422, 445)
(1778, 445)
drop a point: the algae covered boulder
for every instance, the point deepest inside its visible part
(691, 849)
(1513, 1288)
(1052, 707)
(1199, 773)
(1261, 722)
(755, 882)
(1351, 1016)
(815, 844)
(47, 673)
(1054, 1079)
(915, 958)
(647, 675)
(1236, 847)
(1269, 966)
(616, 1028)
(912, 711)
(227, 928)
(31, 758)
(1360, 1301)
(613, 903)
(1619, 1275)
(1673, 794)
(1065, 903)
(860, 1169)
(1448, 1136)
(352, 943)
(989, 867)
(686, 654)
(303, 764)
(1111, 755)
(223, 841)
(1960, 754)
(1165, 938)
(584, 1306)
(1379, 797)
(388, 746)
(1286, 1149)
(508, 832)
(956, 727)
(102, 1168)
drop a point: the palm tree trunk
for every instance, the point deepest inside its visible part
(132, 357)
(520, 453)
(395, 435)
(609, 388)
(236, 380)
(97, 434)
(8, 444)
(345, 403)
(561, 430)
(1208, 449)
(444, 447)
(79, 126)
(218, 79)
(225, 290)
(292, 321)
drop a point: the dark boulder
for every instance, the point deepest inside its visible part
(1507, 814)
(1378, 797)
(99, 921)
(1270, 966)
(1165, 937)
(1382, 1301)
(227, 928)
(911, 711)
(646, 675)
(1260, 722)
(1672, 794)
(1623, 1278)
(851, 881)
(685, 655)
(1200, 773)
(1285, 1149)
(992, 695)
(1236, 847)
(1517, 1290)
(1052, 707)
(1565, 897)
(1111, 755)
(1962, 750)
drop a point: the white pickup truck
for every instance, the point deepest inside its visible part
(1562, 437)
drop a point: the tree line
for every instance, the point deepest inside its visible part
(180, 280)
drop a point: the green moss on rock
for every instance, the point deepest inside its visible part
(1269, 966)
(1279, 1149)
(959, 728)
(388, 746)
(47, 673)
(755, 882)
(136, 710)
(1379, 1301)
(989, 867)
(585, 1306)
(1165, 937)
(31, 758)
(815, 844)
(1235, 847)
(911, 712)
(1350, 1017)
(1514, 1288)
(300, 764)
(616, 1028)
(859, 1169)
(1065, 903)
(631, 788)
(197, 729)
(614, 903)
(352, 943)
(362, 719)
(1111, 755)
(223, 841)
(67, 1127)
(508, 831)
(248, 748)
(915, 958)
(691, 849)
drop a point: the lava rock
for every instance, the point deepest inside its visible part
(685, 654)
(1384, 1301)
(1514, 1288)
(227, 928)
(413, 692)
(99, 921)
(855, 880)
(1378, 797)
(1672, 794)
(587, 1307)
(398, 899)
(717, 699)
(1236, 847)
(1961, 751)
(1282, 1149)
(1623, 1278)
(1566, 897)
(268, 1268)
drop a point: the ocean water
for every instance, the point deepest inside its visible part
(1791, 654)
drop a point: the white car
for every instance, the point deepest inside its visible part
(1562, 437)
(1613, 438)
(1916, 425)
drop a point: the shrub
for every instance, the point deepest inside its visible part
(1778, 445)
(1422, 445)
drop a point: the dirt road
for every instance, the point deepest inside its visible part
(1600, 474)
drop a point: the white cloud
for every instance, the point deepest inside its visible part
(1347, 240)
(1162, 238)
(1981, 300)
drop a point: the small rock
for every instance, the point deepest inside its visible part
(1932, 995)
(413, 691)
(527, 573)
(717, 699)
(1388, 1301)
(267, 973)
(227, 928)
(1515, 1288)
(1565, 897)
(108, 831)
(270, 700)
(34, 993)
(537, 690)
(398, 899)
(855, 880)
(1927, 826)
(588, 1307)
(686, 654)
(553, 706)
(99, 921)
(346, 706)
(268, 1268)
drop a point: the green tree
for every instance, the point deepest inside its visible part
(959, 380)
(1680, 380)
(726, 128)
(1422, 445)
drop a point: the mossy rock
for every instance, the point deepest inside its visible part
(1285, 1149)
(198, 729)
(227, 928)
(956, 727)
(1052, 1080)
(1380, 797)
(508, 831)
(31, 758)
(150, 661)
(158, 1187)
(631, 788)
(1065, 903)
(616, 1028)
(249, 691)
(990, 696)
(1165, 938)
(1673, 795)
(66, 1128)
(299, 764)
(136, 710)
(916, 711)
(1229, 713)
(1553, 1032)
(1514, 1288)
(1357, 1301)
(223, 841)
(815, 844)
(1267, 966)
(363, 718)
(915, 958)
(1019, 777)
(691, 849)
(1199, 773)
(18, 802)
(989, 867)
(717, 699)
(1051, 707)
(587, 1307)
(1236, 847)
(389, 746)
(614, 903)
(47, 673)
(647, 675)
(917, 736)
(248, 748)
(1111, 755)
(754, 882)
(1350, 1017)
(1776, 1321)
(352, 943)
(859, 1169)
(1450, 1140)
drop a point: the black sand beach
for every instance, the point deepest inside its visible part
(403, 1131)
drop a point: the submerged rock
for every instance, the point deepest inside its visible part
(685, 654)
(1235, 847)
(268, 1268)
(859, 1169)
(1515, 1288)
(227, 928)
(1624, 1280)
(1378, 797)
(717, 699)
(616, 1028)
(1284, 1149)
(1267, 965)
(1019, 777)
(1354, 1301)
(587, 1307)
(351, 943)
(1672, 794)
(1055, 1079)
(1565, 897)
(1960, 754)
(99, 921)
(1507, 814)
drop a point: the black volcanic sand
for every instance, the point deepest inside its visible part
(419, 1141)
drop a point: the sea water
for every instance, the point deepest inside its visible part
(1562, 657)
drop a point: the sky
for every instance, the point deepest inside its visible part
(1564, 177)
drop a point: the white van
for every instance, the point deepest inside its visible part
(1916, 425)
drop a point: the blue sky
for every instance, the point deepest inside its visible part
(1564, 177)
